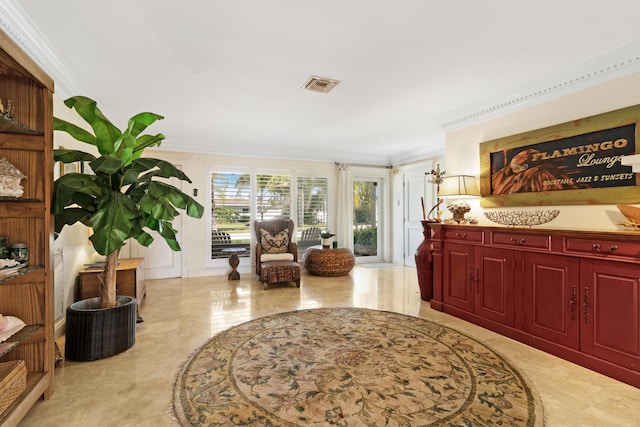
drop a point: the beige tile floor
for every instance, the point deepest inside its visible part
(135, 387)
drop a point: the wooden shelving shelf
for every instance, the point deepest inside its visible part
(24, 271)
(8, 125)
(37, 385)
(21, 336)
(26, 141)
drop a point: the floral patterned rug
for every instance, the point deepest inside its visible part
(350, 367)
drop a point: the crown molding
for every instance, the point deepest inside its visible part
(19, 28)
(266, 151)
(614, 64)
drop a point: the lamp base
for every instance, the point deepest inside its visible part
(458, 217)
(458, 209)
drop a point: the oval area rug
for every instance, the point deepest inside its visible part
(350, 367)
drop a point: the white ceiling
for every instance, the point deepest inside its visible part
(227, 74)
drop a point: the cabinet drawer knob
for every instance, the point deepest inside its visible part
(513, 240)
(613, 248)
(522, 241)
(596, 246)
(461, 236)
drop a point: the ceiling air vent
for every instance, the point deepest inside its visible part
(320, 84)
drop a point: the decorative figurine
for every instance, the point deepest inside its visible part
(10, 178)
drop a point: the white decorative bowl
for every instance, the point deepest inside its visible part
(522, 218)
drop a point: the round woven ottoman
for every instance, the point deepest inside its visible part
(329, 262)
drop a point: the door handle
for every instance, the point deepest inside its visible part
(585, 305)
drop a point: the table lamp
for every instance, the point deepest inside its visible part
(459, 187)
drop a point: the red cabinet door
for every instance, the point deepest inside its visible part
(458, 276)
(551, 298)
(610, 321)
(493, 282)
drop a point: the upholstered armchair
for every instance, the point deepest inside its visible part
(276, 252)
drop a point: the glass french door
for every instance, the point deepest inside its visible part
(366, 218)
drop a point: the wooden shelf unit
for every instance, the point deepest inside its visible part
(26, 141)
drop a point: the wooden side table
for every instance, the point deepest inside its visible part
(234, 261)
(129, 281)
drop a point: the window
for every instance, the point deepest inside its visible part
(273, 196)
(312, 210)
(239, 198)
(230, 212)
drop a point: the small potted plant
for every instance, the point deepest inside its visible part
(326, 239)
(124, 197)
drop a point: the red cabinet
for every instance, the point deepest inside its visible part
(610, 322)
(459, 276)
(551, 300)
(494, 277)
(574, 294)
(480, 280)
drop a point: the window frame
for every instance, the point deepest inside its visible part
(293, 194)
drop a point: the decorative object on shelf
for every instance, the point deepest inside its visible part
(13, 381)
(522, 218)
(9, 125)
(10, 178)
(8, 110)
(10, 325)
(9, 266)
(326, 239)
(458, 208)
(20, 252)
(138, 201)
(459, 187)
(632, 213)
(4, 247)
(437, 180)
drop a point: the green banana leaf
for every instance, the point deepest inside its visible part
(123, 197)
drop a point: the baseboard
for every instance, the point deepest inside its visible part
(59, 328)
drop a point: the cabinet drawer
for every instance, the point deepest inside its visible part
(522, 240)
(470, 235)
(602, 247)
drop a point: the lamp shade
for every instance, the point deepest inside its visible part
(459, 186)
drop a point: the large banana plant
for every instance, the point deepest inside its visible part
(122, 197)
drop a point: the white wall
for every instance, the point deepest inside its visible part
(195, 241)
(461, 154)
(462, 146)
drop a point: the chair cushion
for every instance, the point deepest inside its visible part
(276, 257)
(277, 244)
